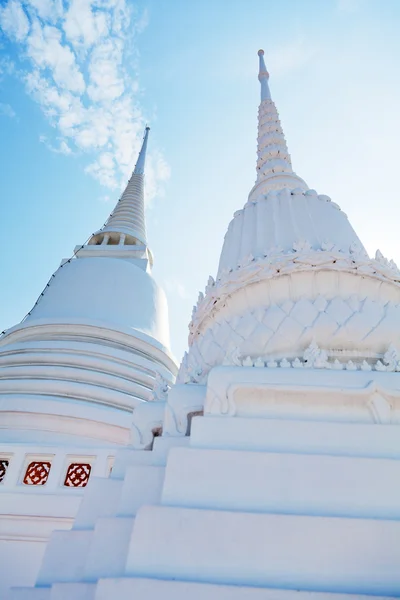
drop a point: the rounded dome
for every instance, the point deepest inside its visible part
(116, 293)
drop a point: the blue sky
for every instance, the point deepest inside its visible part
(79, 80)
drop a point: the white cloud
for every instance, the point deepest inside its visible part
(84, 26)
(46, 50)
(7, 110)
(104, 169)
(48, 10)
(14, 21)
(61, 148)
(78, 72)
(106, 82)
(6, 66)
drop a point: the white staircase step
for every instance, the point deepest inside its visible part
(126, 457)
(73, 591)
(163, 444)
(142, 485)
(359, 556)
(107, 553)
(101, 499)
(65, 557)
(283, 483)
(28, 593)
(307, 437)
(155, 589)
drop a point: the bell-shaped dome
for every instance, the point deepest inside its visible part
(117, 294)
(95, 346)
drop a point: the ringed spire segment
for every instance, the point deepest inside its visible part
(274, 165)
(126, 226)
(263, 77)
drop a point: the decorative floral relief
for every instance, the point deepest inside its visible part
(37, 473)
(391, 359)
(303, 258)
(313, 358)
(78, 475)
(3, 468)
(302, 246)
(193, 375)
(210, 284)
(327, 246)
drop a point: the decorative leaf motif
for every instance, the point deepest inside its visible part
(297, 364)
(327, 245)
(272, 364)
(336, 365)
(194, 311)
(195, 374)
(314, 357)
(210, 284)
(302, 246)
(160, 389)
(391, 358)
(379, 366)
(285, 364)
(248, 362)
(350, 366)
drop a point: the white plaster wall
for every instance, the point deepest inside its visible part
(29, 514)
(20, 563)
(305, 437)
(113, 291)
(279, 219)
(284, 551)
(283, 483)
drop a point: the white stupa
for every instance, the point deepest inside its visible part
(277, 472)
(74, 377)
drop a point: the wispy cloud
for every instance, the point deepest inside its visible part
(74, 58)
(14, 20)
(6, 67)
(60, 148)
(7, 111)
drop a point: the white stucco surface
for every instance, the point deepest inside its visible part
(114, 292)
(271, 469)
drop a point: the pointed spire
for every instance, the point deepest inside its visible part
(274, 166)
(127, 217)
(139, 167)
(263, 77)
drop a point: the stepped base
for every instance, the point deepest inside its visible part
(152, 589)
(356, 556)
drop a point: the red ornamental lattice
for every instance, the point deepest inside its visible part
(37, 473)
(77, 475)
(3, 468)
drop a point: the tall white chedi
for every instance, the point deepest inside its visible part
(292, 273)
(277, 472)
(74, 377)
